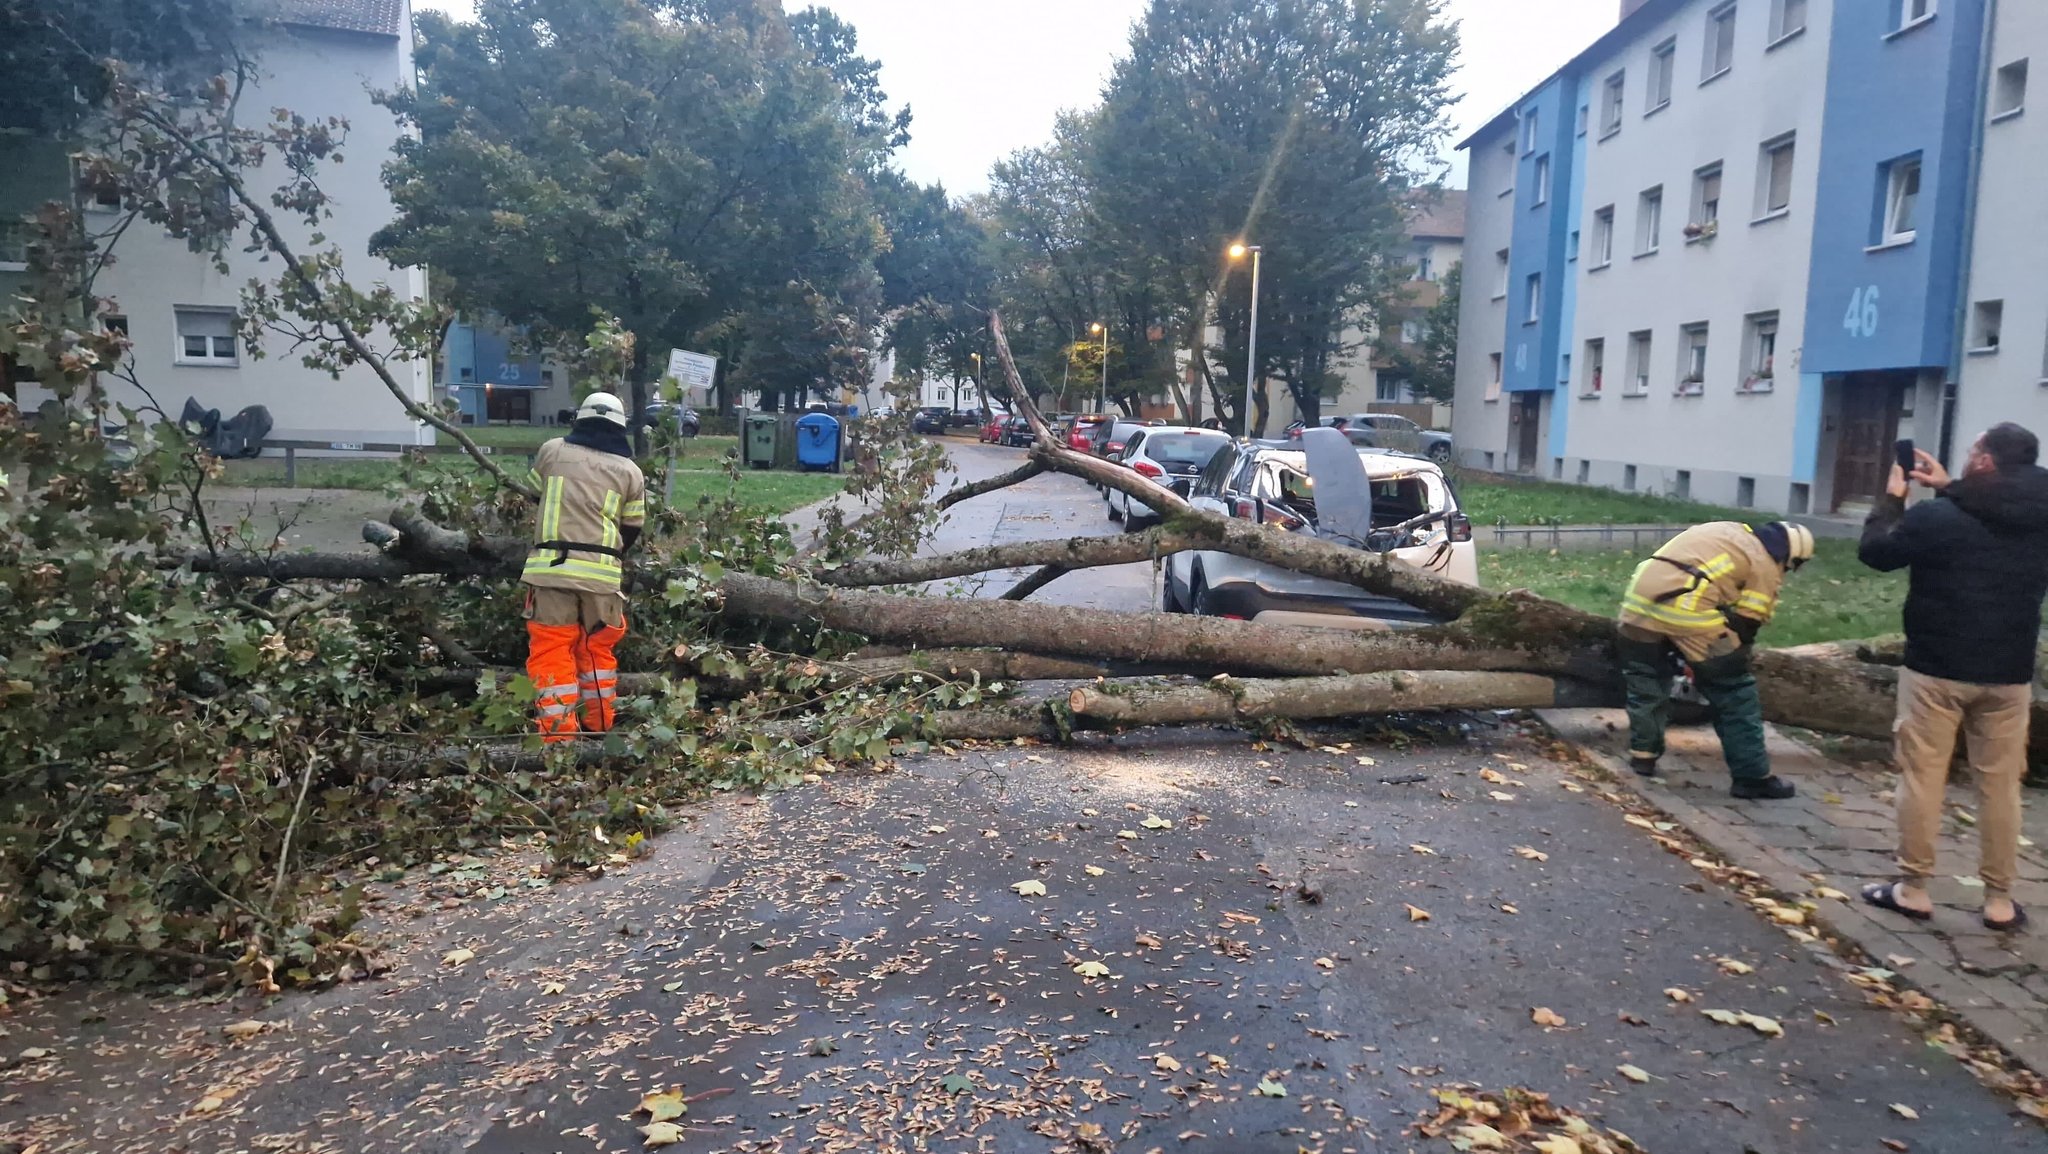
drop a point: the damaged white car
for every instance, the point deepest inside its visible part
(1372, 499)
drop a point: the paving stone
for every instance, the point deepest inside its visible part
(1869, 841)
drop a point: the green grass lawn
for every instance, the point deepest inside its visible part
(700, 473)
(1538, 502)
(1833, 598)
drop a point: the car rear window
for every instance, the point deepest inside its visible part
(1182, 448)
(1394, 499)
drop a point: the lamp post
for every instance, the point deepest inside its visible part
(980, 393)
(1102, 402)
(1251, 359)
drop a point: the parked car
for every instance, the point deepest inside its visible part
(1081, 433)
(1388, 431)
(929, 421)
(683, 417)
(992, 431)
(1017, 432)
(1170, 458)
(1108, 438)
(1385, 502)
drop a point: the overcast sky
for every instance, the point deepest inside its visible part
(985, 78)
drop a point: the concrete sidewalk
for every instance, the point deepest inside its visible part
(1839, 833)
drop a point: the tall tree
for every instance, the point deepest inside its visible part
(687, 167)
(1296, 125)
(58, 55)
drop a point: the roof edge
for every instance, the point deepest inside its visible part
(1651, 11)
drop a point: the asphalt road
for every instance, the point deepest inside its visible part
(1045, 506)
(850, 967)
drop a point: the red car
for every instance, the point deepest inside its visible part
(992, 432)
(1079, 438)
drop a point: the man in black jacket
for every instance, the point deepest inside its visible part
(1978, 555)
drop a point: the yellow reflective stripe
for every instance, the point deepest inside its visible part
(606, 570)
(551, 508)
(636, 511)
(611, 520)
(1756, 604)
(533, 478)
(1714, 569)
(1670, 614)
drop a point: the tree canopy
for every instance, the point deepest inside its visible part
(697, 170)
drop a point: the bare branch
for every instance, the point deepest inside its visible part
(1035, 582)
(1016, 476)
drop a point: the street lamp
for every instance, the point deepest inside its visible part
(1251, 359)
(1102, 402)
(980, 393)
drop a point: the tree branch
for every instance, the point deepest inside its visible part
(1035, 582)
(1016, 476)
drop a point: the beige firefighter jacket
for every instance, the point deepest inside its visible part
(586, 496)
(1687, 585)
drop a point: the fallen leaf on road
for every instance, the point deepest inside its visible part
(1546, 1017)
(1508, 909)
(1494, 776)
(1893, 1144)
(1906, 1112)
(1725, 1017)
(935, 829)
(1148, 941)
(1479, 1136)
(1731, 966)
(1830, 892)
(1636, 820)
(956, 1084)
(1092, 970)
(1417, 913)
(1154, 821)
(1899, 961)
(209, 1104)
(244, 1029)
(1557, 1144)
(1127, 834)
(553, 988)
(1499, 796)
(1030, 888)
(1350, 805)
(661, 1134)
(1633, 1073)
(664, 1106)
(456, 957)
(1268, 1088)
(1166, 1063)
(1768, 1027)
(1677, 995)
(1367, 761)
(823, 1047)
(1094, 871)
(1422, 849)
(1218, 1062)
(1325, 964)
(1531, 853)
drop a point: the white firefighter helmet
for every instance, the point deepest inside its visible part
(604, 406)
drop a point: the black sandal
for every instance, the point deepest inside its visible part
(2017, 921)
(1885, 896)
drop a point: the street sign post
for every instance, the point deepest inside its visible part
(693, 372)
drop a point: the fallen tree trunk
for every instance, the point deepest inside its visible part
(1228, 701)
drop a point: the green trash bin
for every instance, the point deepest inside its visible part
(759, 445)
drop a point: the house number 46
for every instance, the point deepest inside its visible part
(1861, 320)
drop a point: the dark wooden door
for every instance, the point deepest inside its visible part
(1531, 406)
(1863, 451)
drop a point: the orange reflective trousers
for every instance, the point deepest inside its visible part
(571, 662)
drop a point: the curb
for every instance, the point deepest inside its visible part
(1979, 1005)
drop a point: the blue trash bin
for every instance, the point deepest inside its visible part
(817, 443)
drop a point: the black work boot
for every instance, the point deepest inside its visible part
(1644, 764)
(1772, 788)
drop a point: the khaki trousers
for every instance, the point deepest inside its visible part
(1993, 719)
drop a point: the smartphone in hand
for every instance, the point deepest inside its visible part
(1908, 461)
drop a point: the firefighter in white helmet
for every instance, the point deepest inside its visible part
(592, 508)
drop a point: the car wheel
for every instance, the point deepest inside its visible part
(1198, 592)
(1440, 453)
(1168, 602)
(1115, 514)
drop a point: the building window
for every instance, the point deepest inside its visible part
(1585, 471)
(1706, 203)
(1745, 492)
(1759, 352)
(1571, 248)
(1557, 468)
(1390, 388)
(1628, 477)
(1534, 311)
(1638, 384)
(1411, 332)
(2009, 93)
(1788, 18)
(1500, 278)
(1774, 178)
(1692, 360)
(1663, 61)
(1649, 220)
(547, 378)
(115, 323)
(1911, 12)
(1564, 369)
(1902, 200)
(1531, 129)
(103, 195)
(1611, 104)
(206, 337)
(1493, 383)
(1603, 237)
(1595, 366)
(1585, 117)
(1542, 179)
(1720, 55)
(1985, 321)
(1425, 268)
(1681, 486)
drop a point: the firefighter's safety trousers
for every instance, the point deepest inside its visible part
(571, 638)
